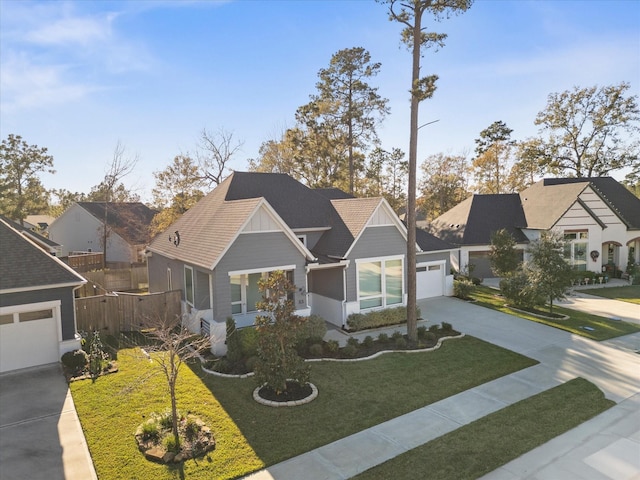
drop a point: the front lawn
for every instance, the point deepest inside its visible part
(492, 441)
(603, 328)
(629, 294)
(353, 396)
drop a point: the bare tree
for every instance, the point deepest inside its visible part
(214, 152)
(120, 166)
(172, 345)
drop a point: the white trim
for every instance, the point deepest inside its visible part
(322, 266)
(193, 286)
(261, 270)
(42, 287)
(54, 305)
(383, 293)
(310, 229)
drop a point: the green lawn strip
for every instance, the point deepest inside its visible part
(354, 396)
(603, 328)
(492, 441)
(629, 294)
(112, 407)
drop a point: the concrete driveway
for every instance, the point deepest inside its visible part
(40, 435)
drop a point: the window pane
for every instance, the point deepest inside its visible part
(253, 293)
(434, 267)
(393, 281)
(236, 289)
(6, 319)
(371, 302)
(37, 315)
(370, 279)
(580, 256)
(188, 285)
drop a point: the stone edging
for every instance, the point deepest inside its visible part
(360, 359)
(292, 403)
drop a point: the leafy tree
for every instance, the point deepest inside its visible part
(275, 156)
(410, 14)
(526, 169)
(549, 275)
(63, 200)
(491, 165)
(504, 257)
(215, 151)
(444, 183)
(21, 191)
(386, 176)
(178, 187)
(278, 329)
(632, 180)
(590, 131)
(171, 346)
(105, 192)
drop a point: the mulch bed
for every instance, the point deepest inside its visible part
(294, 392)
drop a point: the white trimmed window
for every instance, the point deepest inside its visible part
(245, 293)
(188, 285)
(380, 283)
(575, 248)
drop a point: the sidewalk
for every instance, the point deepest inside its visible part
(562, 356)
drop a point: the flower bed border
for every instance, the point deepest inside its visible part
(291, 403)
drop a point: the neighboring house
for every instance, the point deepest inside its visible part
(81, 229)
(598, 217)
(37, 306)
(45, 243)
(343, 254)
(38, 223)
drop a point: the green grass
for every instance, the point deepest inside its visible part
(629, 294)
(492, 441)
(353, 396)
(604, 328)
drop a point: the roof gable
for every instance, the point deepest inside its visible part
(129, 220)
(25, 266)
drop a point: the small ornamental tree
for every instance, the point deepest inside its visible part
(278, 360)
(503, 257)
(548, 272)
(172, 345)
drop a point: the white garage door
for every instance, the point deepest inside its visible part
(430, 280)
(29, 336)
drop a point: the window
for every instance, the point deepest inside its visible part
(380, 283)
(188, 285)
(575, 249)
(36, 315)
(245, 293)
(6, 319)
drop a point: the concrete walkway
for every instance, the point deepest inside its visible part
(562, 357)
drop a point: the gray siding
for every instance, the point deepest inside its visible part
(312, 238)
(157, 266)
(435, 257)
(374, 242)
(327, 282)
(67, 305)
(201, 290)
(257, 251)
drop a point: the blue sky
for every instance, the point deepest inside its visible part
(77, 77)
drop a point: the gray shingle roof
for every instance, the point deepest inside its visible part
(129, 220)
(30, 233)
(24, 265)
(473, 221)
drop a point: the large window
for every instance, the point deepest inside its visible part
(245, 293)
(575, 249)
(188, 285)
(380, 283)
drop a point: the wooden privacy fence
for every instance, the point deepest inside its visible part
(133, 278)
(123, 312)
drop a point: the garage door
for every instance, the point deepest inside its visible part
(482, 264)
(430, 280)
(28, 337)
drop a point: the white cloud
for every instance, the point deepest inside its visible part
(69, 31)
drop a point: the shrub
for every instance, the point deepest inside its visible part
(170, 443)
(166, 421)
(434, 328)
(401, 343)
(353, 341)
(350, 351)
(383, 338)
(396, 335)
(378, 318)
(250, 363)
(316, 350)
(191, 428)
(430, 337)
(97, 356)
(313, 328)
(422, 332)
(333, 346)
(234, 348)
(248, 341)
(150, 429)
(76, 361)
(447, 327)
(462, 288)
(222, 366)
(368, 341)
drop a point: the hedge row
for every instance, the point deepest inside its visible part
(378, 318)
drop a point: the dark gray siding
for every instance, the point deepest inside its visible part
(257, 251)
(312, 238)
(374, 242)
(157, 266)
(201, 289)
(327, 282)
(67, 305)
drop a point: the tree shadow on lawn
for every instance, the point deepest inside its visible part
(354, 396)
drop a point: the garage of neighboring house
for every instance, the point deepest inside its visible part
(481, 264)
(29, 335)
(430, 279)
